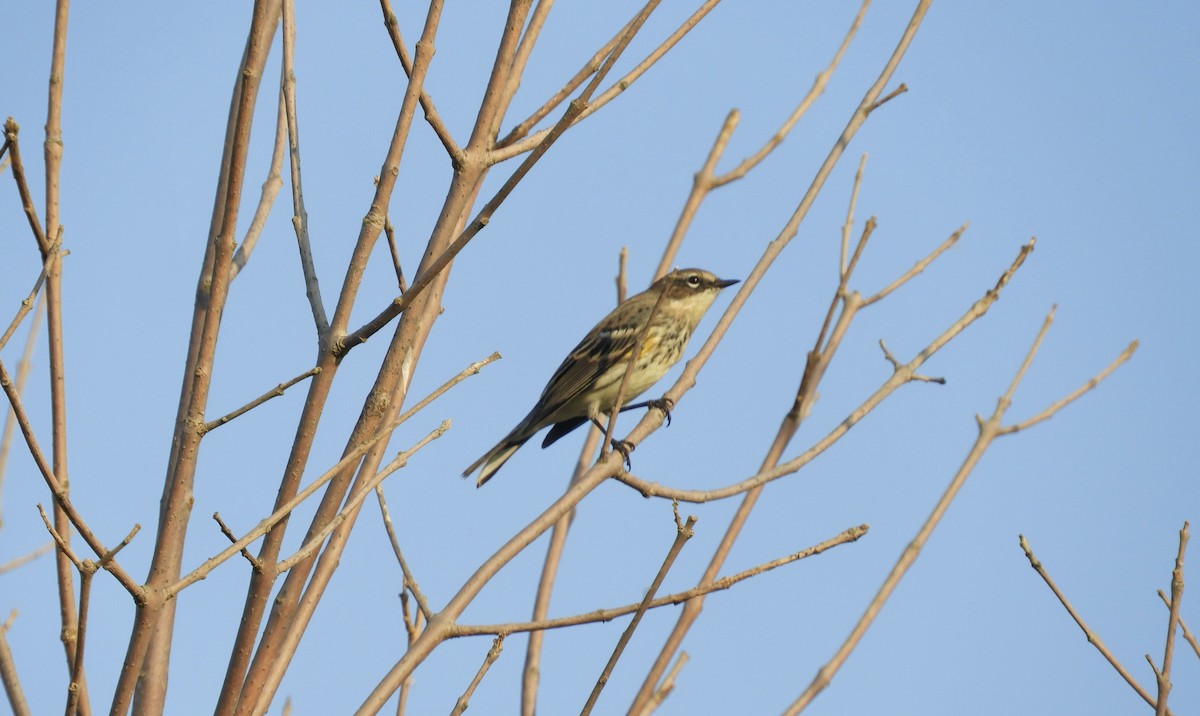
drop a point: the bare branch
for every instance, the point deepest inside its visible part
(431, 113)
(818, 88)
(255, 564)
(558, 541)
(11, 132)
(266, 200)
(918, 267)
(890, 96)
(8, 674)
(494, 653)
(603, 615)
(683, 533)
(518, 147)
(273, 393)
(849, 224)
(299, 213)
(60, 495)
(989, 430)
(27, 303)
(1092, 637)
(1164, 676)
(1092, 382)
(390, 232)
(410, 582)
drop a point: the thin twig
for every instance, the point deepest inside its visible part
(846, 536)
(63, 545)
(390, 232)
(494, 653)
(27, 303)
(410, 582)
(521, 130)
(683, 533)
(706, 180)
(1092, 637)
(619, 400)
(848, 226)
(266, 198)
(431, 114)
(11, 133)
(889, 96)
(255, 564)
(312, 286)
(273, 393)
(77, 686)
(531, 142)
(817, 89)
(918, 267)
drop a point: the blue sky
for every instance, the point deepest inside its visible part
(1024, 119)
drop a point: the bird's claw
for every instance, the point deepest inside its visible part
(624, 447)
(665, 404)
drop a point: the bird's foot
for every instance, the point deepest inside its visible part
(624, 447)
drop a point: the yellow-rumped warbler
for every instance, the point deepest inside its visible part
(587, 382)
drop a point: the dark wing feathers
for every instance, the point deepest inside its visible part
(561, 430)
(596, 353)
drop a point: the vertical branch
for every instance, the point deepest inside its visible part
(247, 678)
(299, 213)
(154, 621)
(53, 151)
(1164, 676)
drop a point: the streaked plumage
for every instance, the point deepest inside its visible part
(588, 380)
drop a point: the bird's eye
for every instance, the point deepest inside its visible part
(693, 280)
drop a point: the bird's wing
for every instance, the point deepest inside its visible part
(608, 344)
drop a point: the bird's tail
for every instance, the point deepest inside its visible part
(495, 458)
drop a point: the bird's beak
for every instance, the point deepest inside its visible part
(726, 282)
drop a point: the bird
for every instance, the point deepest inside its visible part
(587, 382)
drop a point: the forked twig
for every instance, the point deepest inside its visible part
(989, 430)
